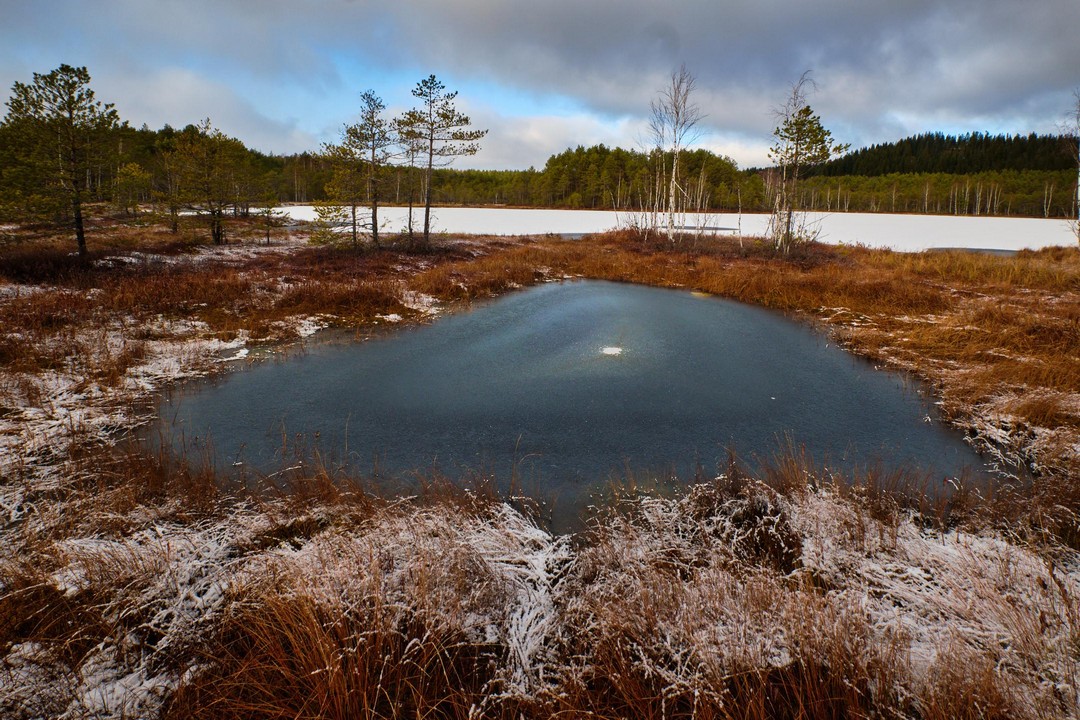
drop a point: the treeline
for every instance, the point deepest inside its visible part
(133, 173)
(198, 166)
(976, 174)
(957, 155)
(602, 178)
(596, 178)
(134, 167)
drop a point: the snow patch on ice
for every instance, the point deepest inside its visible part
(308, 326)
(240, 354)
(905, 233)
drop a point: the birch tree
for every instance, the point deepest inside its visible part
(673, 124)
(441, 131)
(1074, 133)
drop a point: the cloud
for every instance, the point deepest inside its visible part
(177, 97)
(518, 142)
(884, 69)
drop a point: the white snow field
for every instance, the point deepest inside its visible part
(908, 233)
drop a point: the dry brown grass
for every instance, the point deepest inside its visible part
(282, 655)
(91, 317)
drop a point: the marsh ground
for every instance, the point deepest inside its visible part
(135, 585)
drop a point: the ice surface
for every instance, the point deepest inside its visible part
(908, 233)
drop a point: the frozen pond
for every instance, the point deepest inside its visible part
(566, 386)
(899, 232)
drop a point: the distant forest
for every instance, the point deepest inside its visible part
(955, 155)
(1031, 175)
(976, 174)
(973, 174)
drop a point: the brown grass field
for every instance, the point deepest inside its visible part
(134, 584)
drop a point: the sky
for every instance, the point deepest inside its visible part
(543, 75)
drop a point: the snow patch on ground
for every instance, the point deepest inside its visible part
(12, 290)
(420, 302)
(308, 326)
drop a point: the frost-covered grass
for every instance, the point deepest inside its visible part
(742, 601)
(136, 586)
(740, 598)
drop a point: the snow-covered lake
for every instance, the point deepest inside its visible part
(910, 233)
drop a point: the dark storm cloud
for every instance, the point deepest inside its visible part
(238, 38)
(876, 62)
(884, 68)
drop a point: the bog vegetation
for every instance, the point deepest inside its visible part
(136, 583)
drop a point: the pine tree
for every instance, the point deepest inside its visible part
(59, 130)
(440, 130)
(209, 164)
(801, 142)
(132, 187)
(370, 142)
(344, 196)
